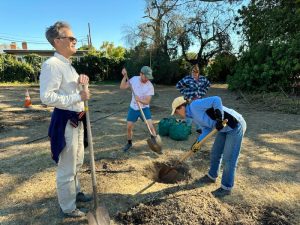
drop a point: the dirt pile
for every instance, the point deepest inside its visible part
(185, 207)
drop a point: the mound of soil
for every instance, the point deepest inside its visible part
(185, 207)
(275, 216)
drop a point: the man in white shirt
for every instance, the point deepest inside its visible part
(144, 90)
(60, 86)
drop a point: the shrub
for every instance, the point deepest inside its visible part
(13, 70)
(223, 66)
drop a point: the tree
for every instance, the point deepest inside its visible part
(270, 20)
(206, 27)
(86, 47)
(172, 27)
(221, 67)
(110, 51)
(172, 22)
(271, 57)
(35, 61)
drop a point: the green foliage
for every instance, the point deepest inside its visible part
(87, 47)
(270, 20)
(98, 67)
(36, 62)
(222, 66)
(12, 70)
(136, 58)
(268, 68)
(109, 50)
(272, 59)
(165, 71)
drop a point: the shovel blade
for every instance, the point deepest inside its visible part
(101, 218)
(153, 144)
(168, 174)
(91, 219)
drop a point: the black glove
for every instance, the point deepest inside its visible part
(219, 125)
(218, 114)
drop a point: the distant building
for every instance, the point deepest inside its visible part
(45, 54)
(3, 47)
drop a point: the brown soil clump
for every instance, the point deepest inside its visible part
(185, 207)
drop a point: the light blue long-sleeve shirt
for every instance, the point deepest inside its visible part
(197, 111)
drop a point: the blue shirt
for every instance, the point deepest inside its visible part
(197, 111)
(191, 88)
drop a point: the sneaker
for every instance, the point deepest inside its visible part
(220, 193)
(74, 213)
(81, 197)
(127, 147)
(206, 180)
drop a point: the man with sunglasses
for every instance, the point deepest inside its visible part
(61, 87)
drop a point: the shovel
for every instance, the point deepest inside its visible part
(101, 214)
(169, 173)
(154, 142)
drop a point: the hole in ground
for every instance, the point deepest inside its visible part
(166, 173)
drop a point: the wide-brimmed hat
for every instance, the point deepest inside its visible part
(176, 103)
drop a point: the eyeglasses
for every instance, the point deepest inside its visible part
(71, 39)
(195, 71)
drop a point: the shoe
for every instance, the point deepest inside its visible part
(206, 180)
(81, 197)
(74, 213)
(127, 147)
(220, 193)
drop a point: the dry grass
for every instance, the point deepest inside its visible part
(267, 189)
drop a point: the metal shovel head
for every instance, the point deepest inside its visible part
(154, 146)
(101, 218)
(167, 174)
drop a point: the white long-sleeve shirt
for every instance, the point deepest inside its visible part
(59, 84)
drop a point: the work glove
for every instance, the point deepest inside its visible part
(218, 116)
(196, 146)
(199, 131)
(219, 125)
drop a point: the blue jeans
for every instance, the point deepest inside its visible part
(226, 149)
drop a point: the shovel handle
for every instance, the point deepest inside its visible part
(199, 144)
(91, 149)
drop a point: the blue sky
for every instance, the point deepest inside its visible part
(27, 20)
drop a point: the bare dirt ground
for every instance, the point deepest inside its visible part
(267, 189)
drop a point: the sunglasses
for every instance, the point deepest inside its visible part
(71, 39)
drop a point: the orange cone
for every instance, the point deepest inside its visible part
(27, 103)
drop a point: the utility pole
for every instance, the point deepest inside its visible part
(89, 36)
(88, 40)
